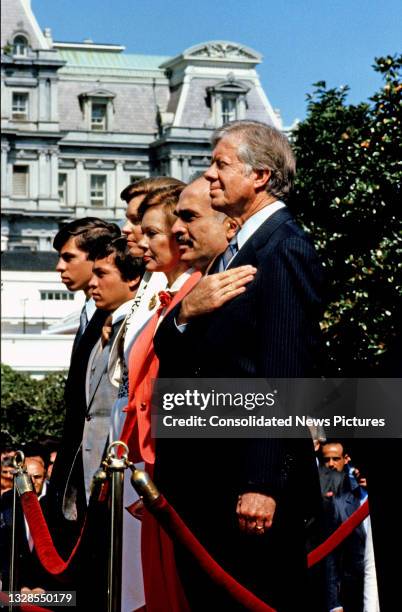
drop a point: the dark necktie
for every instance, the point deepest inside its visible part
(224, 259)
(82, 327)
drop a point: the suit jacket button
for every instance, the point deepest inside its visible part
(197, 371)
(143, 406)
(88, 417)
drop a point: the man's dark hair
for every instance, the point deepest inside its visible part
(130, 267)
(86, 231)
(147, 185)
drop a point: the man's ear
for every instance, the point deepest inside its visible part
(231, 227)
(346, 458)
(261, 178)
(134, 283)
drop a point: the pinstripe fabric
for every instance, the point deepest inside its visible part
(269, 331)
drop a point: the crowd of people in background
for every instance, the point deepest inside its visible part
(210, 279)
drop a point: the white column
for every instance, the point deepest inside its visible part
(82, 196)
(241, 108)
(110, 191)
(34, 179)
(6, 101)
(5, 187)
(109, 116)
(120, 183)
(54, 111)
(43, 175)
(185, 170)
(43, 102)
(175, 167)
(54, 174)
(218, 111)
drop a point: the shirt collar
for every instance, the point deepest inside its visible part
(179, 282)
(90, 308)
(253, 223)
(122, 311)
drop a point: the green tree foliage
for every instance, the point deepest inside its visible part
(31, 410)
(348, 196)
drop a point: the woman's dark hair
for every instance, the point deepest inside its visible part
(166, 198)
(145, 186)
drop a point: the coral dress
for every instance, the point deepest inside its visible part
(162, 587)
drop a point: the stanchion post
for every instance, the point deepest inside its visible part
(115, 467)
(21, 483)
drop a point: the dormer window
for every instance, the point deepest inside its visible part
(227, 101)
(229, 108)
(97, 107)
(20, 45)
(98, 116)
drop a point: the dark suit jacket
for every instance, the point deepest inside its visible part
(74, 420)
(269, 331)
(346, 564)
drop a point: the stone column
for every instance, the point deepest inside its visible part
(43, 101)
(109, 116)
(241, 107)
(82, 196)
(5, 186)
(54, 111)
(54, 174)
(119, 183)
(43, 175)
(218, 111)
(175, 167)
(185, 169)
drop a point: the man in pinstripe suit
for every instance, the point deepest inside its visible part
(268, 330)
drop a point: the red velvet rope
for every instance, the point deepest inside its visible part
(176, 528)
(44, 547)
(342, 532)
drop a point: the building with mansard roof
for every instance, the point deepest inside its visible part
(82, 120)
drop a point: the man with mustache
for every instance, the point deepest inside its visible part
(249, 515)
(201, 232)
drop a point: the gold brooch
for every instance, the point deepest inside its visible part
(152, 302)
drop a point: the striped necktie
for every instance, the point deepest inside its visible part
(227, 255)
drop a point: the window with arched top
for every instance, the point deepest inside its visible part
(20, 45)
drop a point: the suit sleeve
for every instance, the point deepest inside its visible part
(171, 345)
(288, 311)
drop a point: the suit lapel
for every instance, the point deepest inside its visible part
(102, 364)
(260, 237)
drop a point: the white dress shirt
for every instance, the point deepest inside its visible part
(252, 224)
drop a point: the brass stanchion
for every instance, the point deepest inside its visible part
(115, 466)
(143, 484)
(21, 484)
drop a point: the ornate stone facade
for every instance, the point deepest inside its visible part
(80, 121)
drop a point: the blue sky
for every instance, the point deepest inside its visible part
(302, 41)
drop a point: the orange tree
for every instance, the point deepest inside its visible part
(348, 196)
